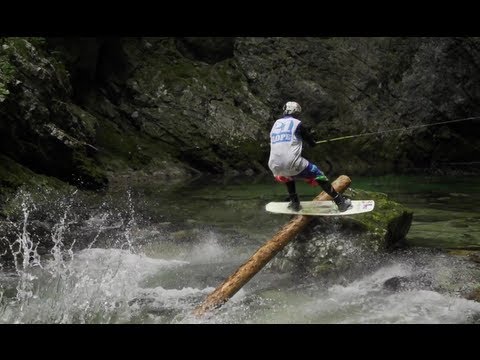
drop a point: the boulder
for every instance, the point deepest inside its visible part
(335, 243)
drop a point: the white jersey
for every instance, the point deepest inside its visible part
(286, 148)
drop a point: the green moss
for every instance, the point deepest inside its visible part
(124, 148)
(185, 90)
(113, 144)
(14, 176)
(463, 252)
(88, 121)
(389, 222)
(91, 176)
(384, 228)
(7, 73)
(38, 42)
(177, 72)
(17, 45)
(28, 48)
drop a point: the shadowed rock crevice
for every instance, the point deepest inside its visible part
(207, 49)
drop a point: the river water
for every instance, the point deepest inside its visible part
(146, 253)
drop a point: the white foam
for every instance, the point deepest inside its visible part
(208, 250)
(366, 301)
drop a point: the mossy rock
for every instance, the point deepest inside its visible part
(388, 223)
(14, 175)
(88, 174)
(335, 243)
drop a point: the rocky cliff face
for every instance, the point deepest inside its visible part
(82, 110)
(357, 85)
(41, 128)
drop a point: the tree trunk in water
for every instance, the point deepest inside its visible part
(263, 255)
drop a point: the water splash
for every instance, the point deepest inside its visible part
(25, 255)
(427, 292)
(367, 300)
(131, 223)
(58, 250)
(120, 284)
(208, 249)
(23, 249)
(54, 288)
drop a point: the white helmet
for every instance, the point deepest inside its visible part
(291, 108)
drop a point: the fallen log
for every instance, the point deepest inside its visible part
(263, 255)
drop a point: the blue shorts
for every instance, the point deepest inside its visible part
(311, 171)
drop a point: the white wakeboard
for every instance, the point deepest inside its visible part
(321, 208)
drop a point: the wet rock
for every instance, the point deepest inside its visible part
(39, 127)
(396, 283)
(397, 230)
(331, 244)
(39, 228)
(474, 295)
(475, 257)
